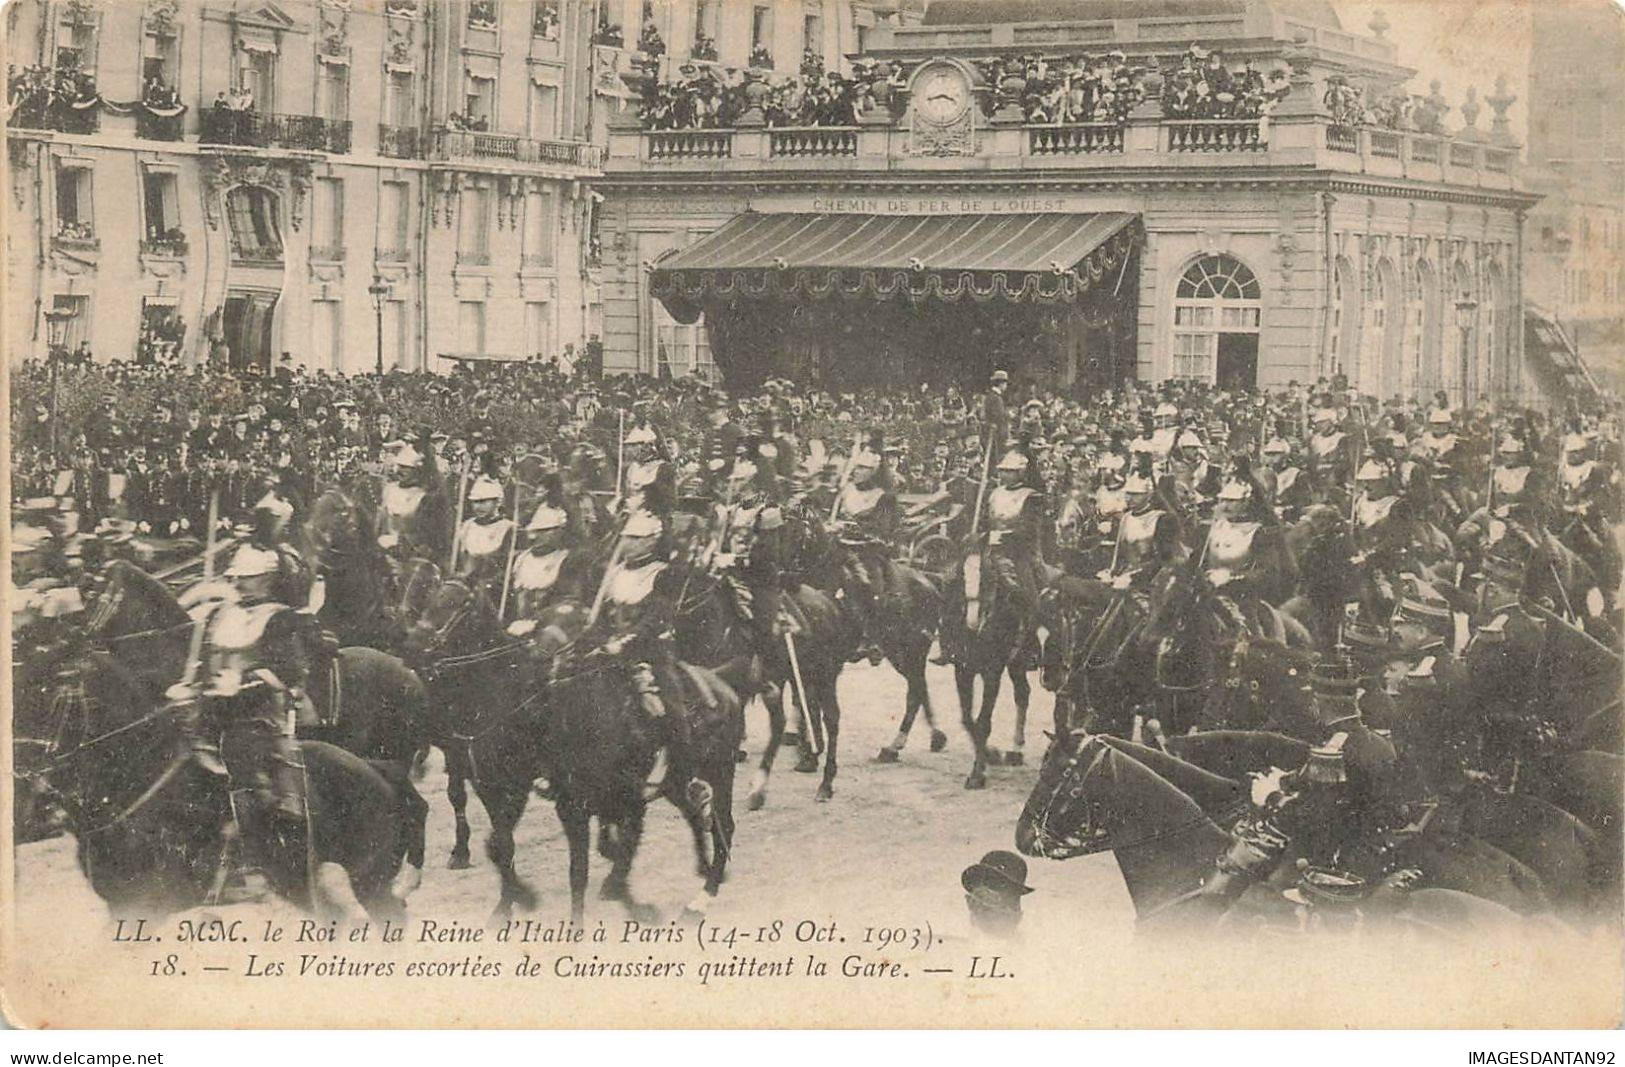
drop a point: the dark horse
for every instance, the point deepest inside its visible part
(996, 632)
(906, 623)
(341, 539)
(601, 758)
(1166, 821)
(155, 833)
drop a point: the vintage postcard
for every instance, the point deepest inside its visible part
(813, 513)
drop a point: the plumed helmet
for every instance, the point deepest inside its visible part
(484, 489)
(546, 517)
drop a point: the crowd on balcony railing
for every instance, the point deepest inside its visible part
(71, 230)
(60, 98)
(1202, 87)
(711, 98)
(1065, 89)
(231, 118)
(468, 122)
(1351, 107)
(163, 239)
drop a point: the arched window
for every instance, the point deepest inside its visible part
(1216, 318)
(1492, 357)
(1343, 329)
(1464, 313)
(252, 215)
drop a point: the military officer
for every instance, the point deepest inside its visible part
(866, 519)
(484, 538)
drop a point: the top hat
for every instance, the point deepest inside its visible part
(997, 870)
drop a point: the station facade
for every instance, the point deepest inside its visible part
(923, 240)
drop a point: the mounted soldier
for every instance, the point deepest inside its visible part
(1288, 485)
(251, 682)
(1242, 550)
(483, 540)
(636, 620)
(1013, 531)
(413, 520)
(551, 570)
(1331, 456)
(651, 479)
(1147, 537)
(866, 520)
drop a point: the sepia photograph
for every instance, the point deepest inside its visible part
(820, 514)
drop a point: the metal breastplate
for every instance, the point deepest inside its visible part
(401, 503)
(1510, 482)
(639, 476)
(859, 504)
(482, 539)
(1285, 481)
(1005, 507)
(1325, 445)
(1371, 513)
(534, 573)
(1138, 539)
(1230, 544)
(629, 590)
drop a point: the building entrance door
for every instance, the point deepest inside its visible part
(1238, 361)
(247, 329)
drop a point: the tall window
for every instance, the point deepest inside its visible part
(1217, 296)
(395, 334)
(401, 105)
(812, 34)
(256, 74)
(394, 215)
(160, 59)
(544, 21)
(333, 89)
(761, 31)
(327, 334)
(328, 240)
(538, 250)
(470, 327)
(481, 102)
(474, 222)
(538, 329)
(76, 44)
(1369, 378)
(544, 111)
(255, 232)
(1421, 349)
(160, 196)
(681, 349)
(75, 216)
(78, 325)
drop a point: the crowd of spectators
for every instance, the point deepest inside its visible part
(1064, 89)
(60, 98)
(1202, 87)
(1352, 107)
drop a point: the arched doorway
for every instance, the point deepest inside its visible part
(1217, 310)
(1492, 357)
(1343, 325)
(1422, 331)
(1371, 371)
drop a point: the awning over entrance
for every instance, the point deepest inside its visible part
(1041, 257)
(1552, 351)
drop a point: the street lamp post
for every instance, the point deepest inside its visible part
(378, 290)
(56, 325)
(1466, 311)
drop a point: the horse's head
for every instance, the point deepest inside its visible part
(130, 601)
(1174, 592)
(1263, 681)
(456, 618)
(1058, 821)
(333, 527)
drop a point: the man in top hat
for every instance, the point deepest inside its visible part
(995, 415)
(994, 886)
